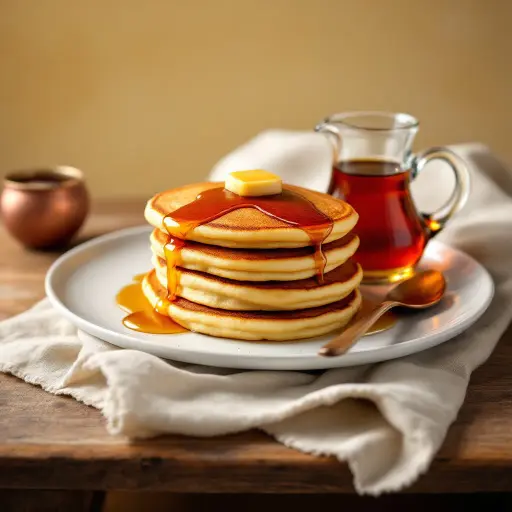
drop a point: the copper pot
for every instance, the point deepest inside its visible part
(43, 208)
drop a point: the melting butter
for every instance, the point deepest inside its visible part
(254, 183)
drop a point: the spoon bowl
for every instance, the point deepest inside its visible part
(423, 290)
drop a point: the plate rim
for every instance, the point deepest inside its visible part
(304, 361)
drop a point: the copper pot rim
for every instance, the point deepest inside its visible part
(68, 177)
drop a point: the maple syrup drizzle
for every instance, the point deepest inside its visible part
(172, 253)
(142, 317)
(288, 206)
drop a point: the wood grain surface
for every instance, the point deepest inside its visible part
(51, 442)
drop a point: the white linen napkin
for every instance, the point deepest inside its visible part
(386, 420)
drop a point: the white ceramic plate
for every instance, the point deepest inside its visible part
(82, 285)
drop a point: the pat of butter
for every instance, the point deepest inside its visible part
(254, 183)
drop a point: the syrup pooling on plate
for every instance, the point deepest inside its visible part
(385, 322)
(141, 315)
(288, 207)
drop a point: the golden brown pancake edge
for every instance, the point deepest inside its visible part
(252, 315)
(247, 219)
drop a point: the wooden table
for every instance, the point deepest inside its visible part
(50, 442)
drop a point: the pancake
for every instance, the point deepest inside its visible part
(255, 325)
(248, 227)
(257, 265)
(221, 293)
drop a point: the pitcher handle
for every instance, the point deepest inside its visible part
(436, 221)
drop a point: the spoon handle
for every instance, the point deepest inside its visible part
(351, 334)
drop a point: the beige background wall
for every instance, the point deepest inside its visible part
(145, 95)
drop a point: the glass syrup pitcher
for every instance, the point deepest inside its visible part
(373, 167)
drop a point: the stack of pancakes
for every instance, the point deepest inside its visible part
(250, 276)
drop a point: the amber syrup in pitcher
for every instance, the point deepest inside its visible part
(392, 236)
